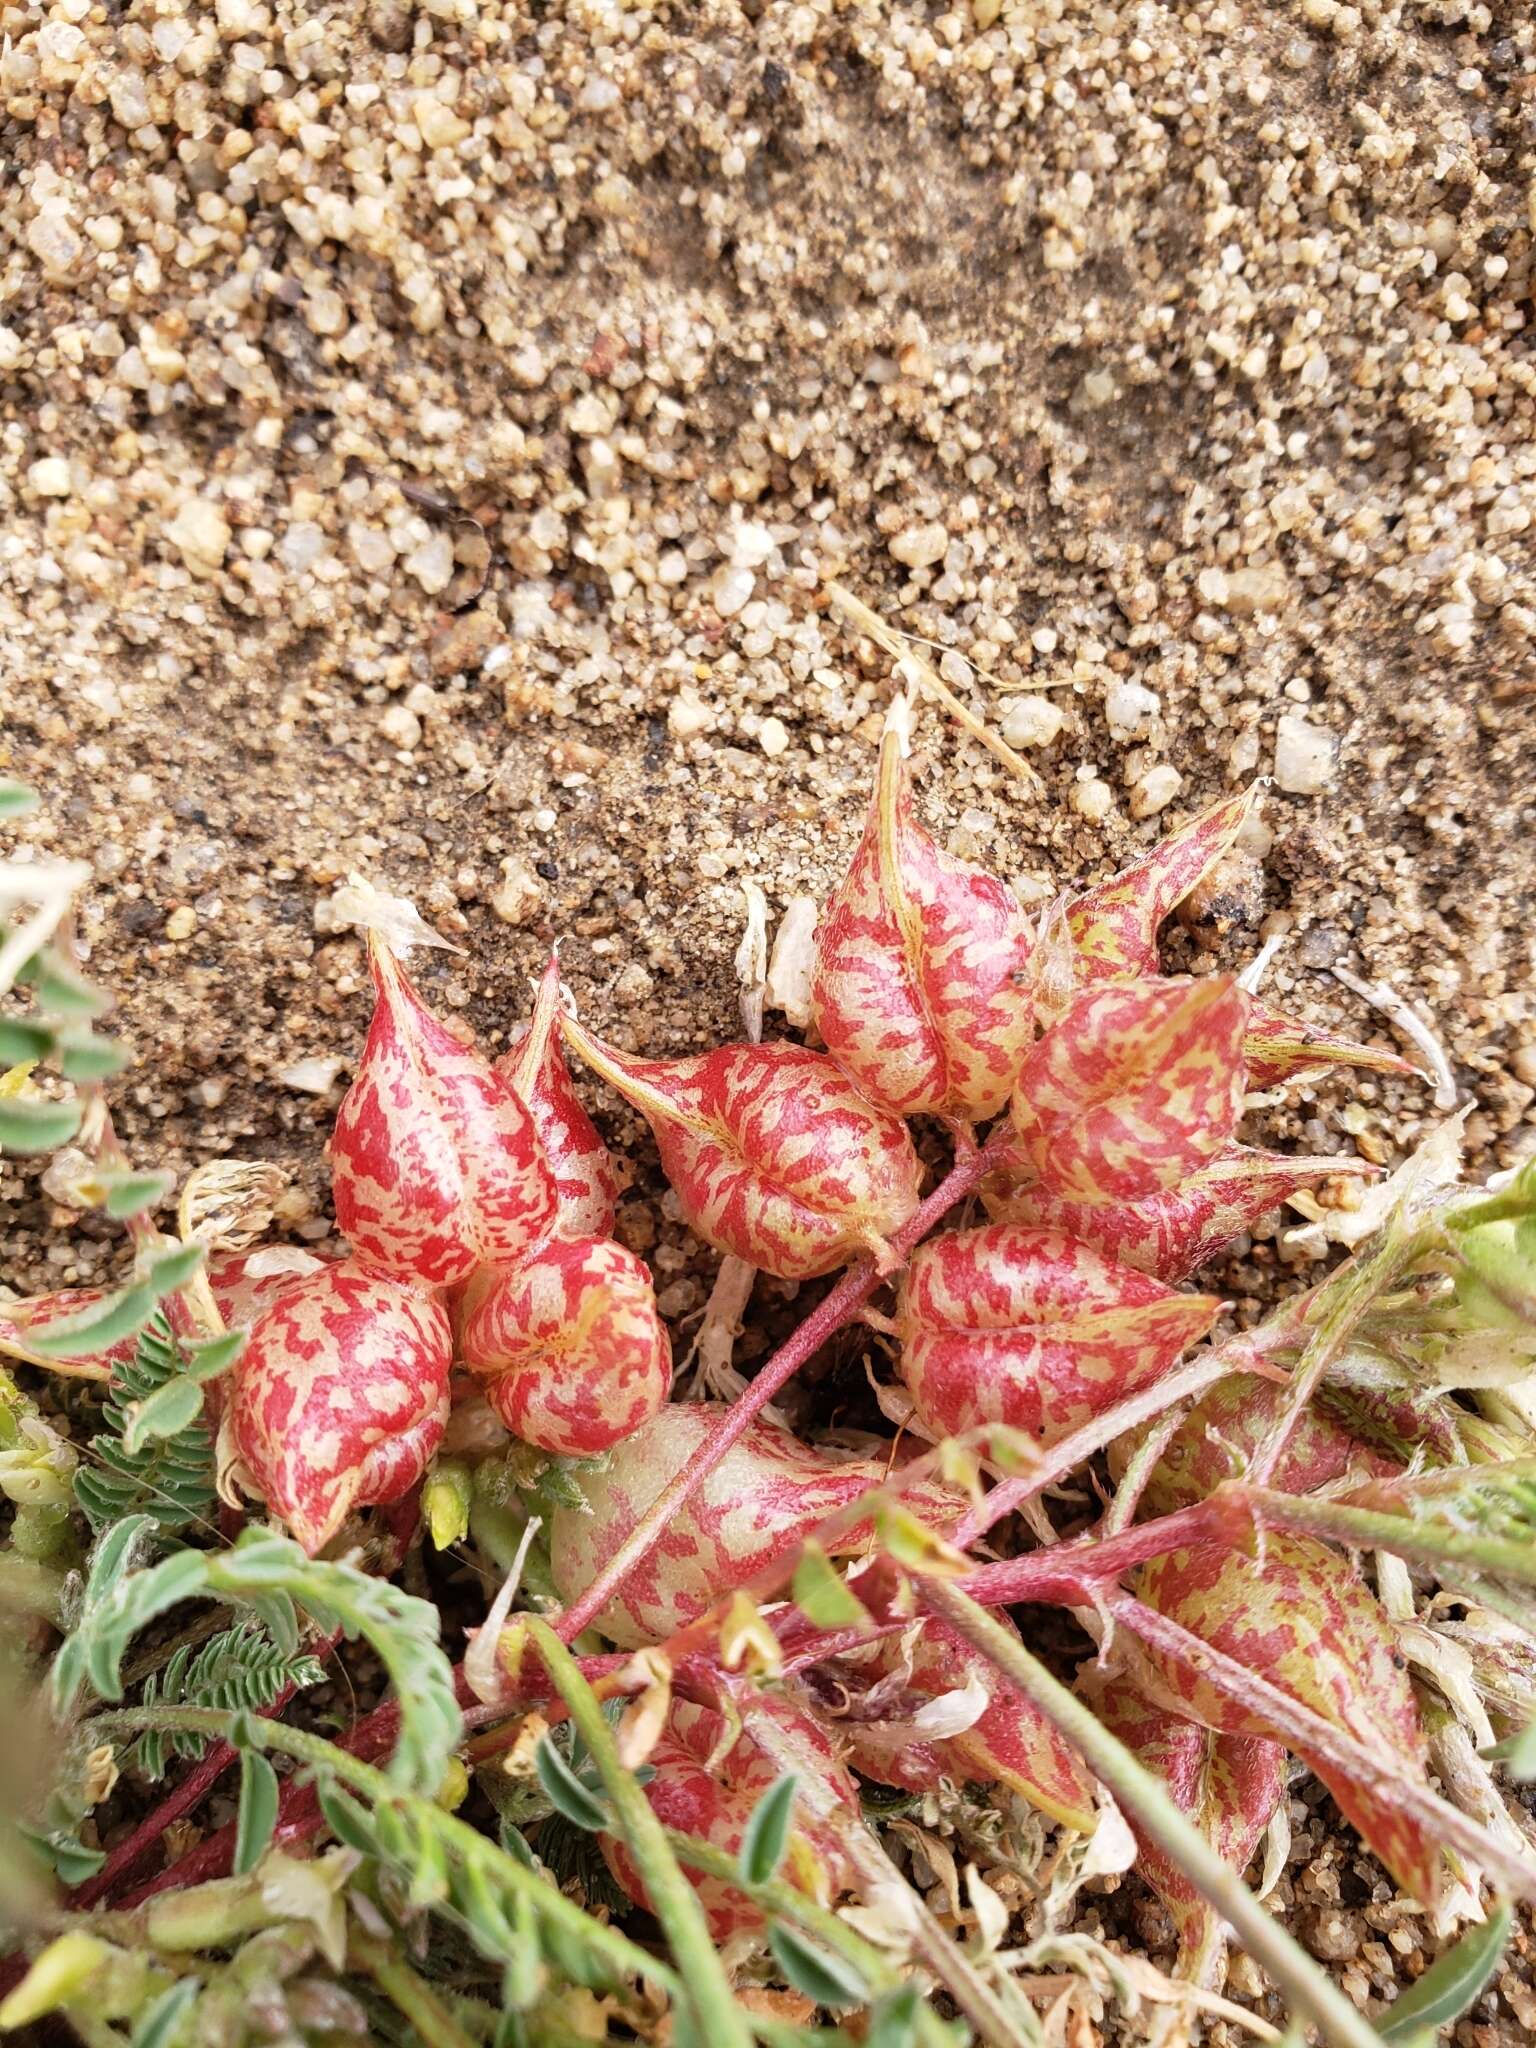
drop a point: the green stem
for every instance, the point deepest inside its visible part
(410, 1995)
(1147, 1800)
(672, 1898)
(1367, 1529)
(625, 1958)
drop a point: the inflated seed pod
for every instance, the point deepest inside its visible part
(1033, 1329)
(436, 1165)
(339, 1399)
(773, 1153)
(568, 1345)
(1137, 1085)
(920, 984)
(533, 1066)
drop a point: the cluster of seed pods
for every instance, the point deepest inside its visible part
(478, 1201)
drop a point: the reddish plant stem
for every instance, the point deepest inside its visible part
(824, 1321)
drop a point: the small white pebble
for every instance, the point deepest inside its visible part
(49, 477)
(919, 547)
(1155, 790)
(1032, 722)
(314, 1076)
(401, 727)
(432, 564)
(773, 738)
(518, 894)
(1130, 707)
(200, 535)
(1092, 799)
(688, 714)
(181, 923)
(1305, 756)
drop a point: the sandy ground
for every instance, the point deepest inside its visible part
(427, 433)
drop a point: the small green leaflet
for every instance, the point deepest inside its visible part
(893, 2020)
(815, 1972)
(158, 2025)
(1452, 1985)
(166, 1412)
(565, 1791)
(767, 1835)
(30, 1127)
(1517, 1753)
(16, 800)
(84, 1057)
(819, 1593)
(125, 1193)
(22, 1042)
(258, 1810)
(107, 1322)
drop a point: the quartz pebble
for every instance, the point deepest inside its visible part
(1305, 756)
(200, 534)
(918, 547)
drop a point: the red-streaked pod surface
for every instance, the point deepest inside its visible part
(1230, 1786)
(1277, 1048)
(243, 1283)
(569, 1346)
(771, 1150)
(1172, 1232)
(340, 1398)
(436, 1166)
(919, 990)
(1302, 1617)
(706, 1783)
(1031, 1328)
(1114, 925)
(1136, 1086)
(930, 1679)
(533, 1066)
(765, 1494)
(1226, 1426)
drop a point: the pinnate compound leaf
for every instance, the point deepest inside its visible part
(29, 1126)
(1137, 1085)
(1303, 1618)
(1033, 1329)
(1451, 1985)
(814, 1971)
(767, 1835)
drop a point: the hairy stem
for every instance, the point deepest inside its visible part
(411, 1996)
(1144, 1797)
(824, 1321)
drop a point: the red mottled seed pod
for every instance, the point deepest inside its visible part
(533, 1066)
(1301, 1616)
(1279, 1048)
(436, 1165)
(1136, 1086)
(772, 1152)
(569, 1345)
(1030, 1328)
(765, 1493)
(1230, 1786)
(926, 1705)
(1114, 925)
(707, 1784)
(1172, 1232)
(919, 986)
(339, 1400)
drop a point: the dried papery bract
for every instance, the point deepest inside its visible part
(569, 1345)
(772, 1152)
(586, 1185)
(926, 1705)
(1136, 1086)
(1301, 1617)
(1031, 1328)
(339, 1400)
(436, 1165)
(767, 1491)
(1172, 1232)
(706, 1783)
(1230, 1786)
(920, 987)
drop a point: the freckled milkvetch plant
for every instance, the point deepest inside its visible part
(763, 1736)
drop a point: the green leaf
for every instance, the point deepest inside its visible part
(767, 1835)
(173, 1269)
(83, 1057)
(893, 2019)
(1453, 1984)
(157, 2027)
(27, 1128)
(347, 1818)
(167, 1412)
(128, 1194)
(96, 1328)
(565, 1791)
(819, 1592)
(59, 989)
(815, 1972)
(207, 1360)
(1517, 1753)
(23, 1042)
(258, 1810)
(16, 800)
